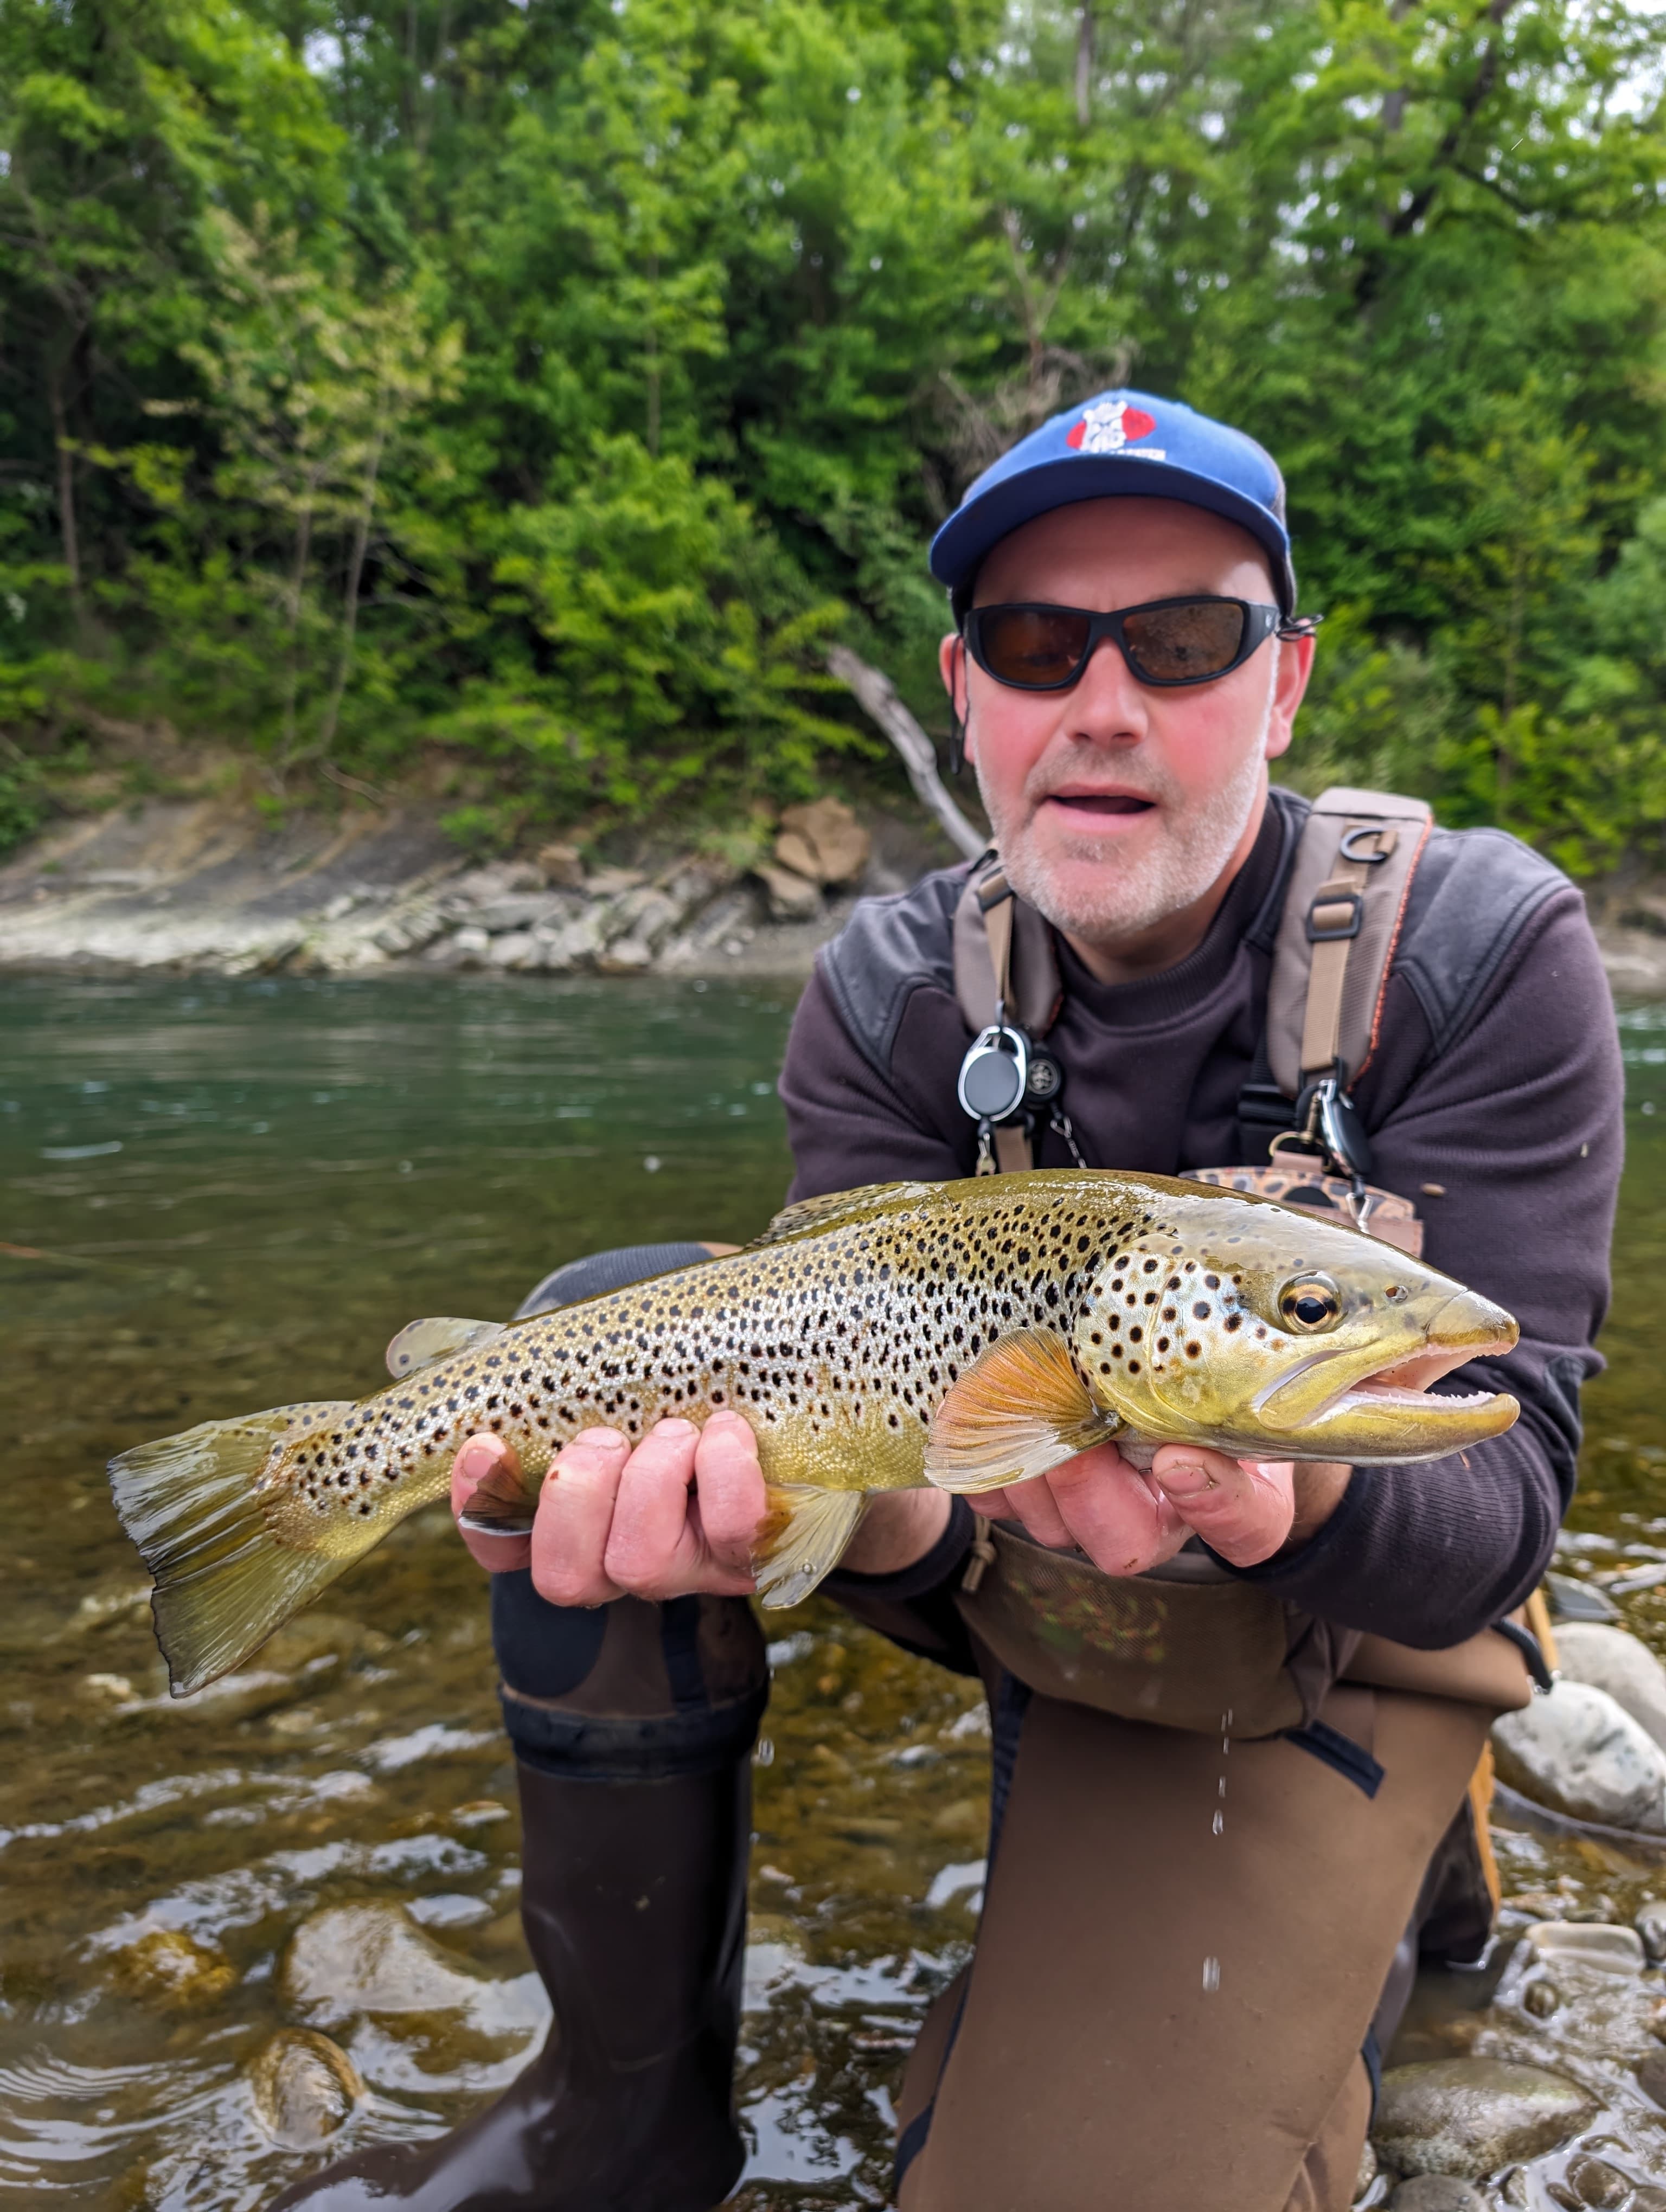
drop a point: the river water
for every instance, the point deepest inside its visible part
(220, 1196)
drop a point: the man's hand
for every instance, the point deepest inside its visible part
(677, 1514)
(1126, 1522)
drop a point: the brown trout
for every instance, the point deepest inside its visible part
(968, 1334)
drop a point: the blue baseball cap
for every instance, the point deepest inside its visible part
(1122, 444)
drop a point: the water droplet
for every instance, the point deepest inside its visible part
(652, 1163)
(1223, 1785)
(1219, 1823)
(1211, 1976)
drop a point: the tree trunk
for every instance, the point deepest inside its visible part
(66, 496)
(877, 694)
(1085, 64)
(354, 580)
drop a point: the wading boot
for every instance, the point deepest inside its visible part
(634, 1906)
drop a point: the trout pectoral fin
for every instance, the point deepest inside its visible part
(800, 1538)
(441, 1336)
(501, 1504)
(1021, 1409)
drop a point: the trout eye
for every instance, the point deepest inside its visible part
(1311, 1302)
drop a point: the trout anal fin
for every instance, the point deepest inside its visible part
(1019, 1410)
(801, 1537)
(441, 1336)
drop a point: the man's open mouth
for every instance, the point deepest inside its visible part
(1102, 802)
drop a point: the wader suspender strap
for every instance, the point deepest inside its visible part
(1344, 904)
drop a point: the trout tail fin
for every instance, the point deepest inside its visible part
(223, 1583)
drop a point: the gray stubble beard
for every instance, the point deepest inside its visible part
(1191, 857)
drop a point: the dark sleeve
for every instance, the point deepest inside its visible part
(916, 1607)
(847, 1125)
(1519, 1125)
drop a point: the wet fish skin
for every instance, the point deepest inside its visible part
(971, 1333)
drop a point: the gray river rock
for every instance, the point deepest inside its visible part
(305, 2088)
(1608, 1658)
(1465, 2117)
(1579, 1753)
(1436, 2193)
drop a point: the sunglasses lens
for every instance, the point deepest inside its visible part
(1031, 646)
(1172, 644)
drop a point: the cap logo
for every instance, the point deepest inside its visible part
(1109, 425)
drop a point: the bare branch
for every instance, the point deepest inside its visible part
(877, 696)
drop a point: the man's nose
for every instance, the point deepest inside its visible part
(1108, 700)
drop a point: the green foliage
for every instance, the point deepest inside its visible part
(542, 384)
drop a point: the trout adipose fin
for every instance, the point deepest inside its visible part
(223, 1580)
(800, 1537)
(1019, 1410)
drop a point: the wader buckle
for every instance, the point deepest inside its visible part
(1328, 1123)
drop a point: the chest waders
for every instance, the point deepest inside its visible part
(1218, 1823)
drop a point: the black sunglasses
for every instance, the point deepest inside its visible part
(1165, 642)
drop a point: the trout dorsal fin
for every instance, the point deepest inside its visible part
(802, 1533)
(1021, 1409)
(839, 1205)
(441, 1336)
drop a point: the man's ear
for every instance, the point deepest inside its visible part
(952, 667)
(1295, 665)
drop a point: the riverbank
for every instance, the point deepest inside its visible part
(205, 885)
(208, 885)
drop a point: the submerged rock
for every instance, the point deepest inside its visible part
(1599, 1943)
(1466, 2115)
(1436, 2193)
(1652, 2076)
(353, 1959)
(1596, 2182)
(304, 2086)
(1607, 1658)
(1651, 1925)
(173, 1970)
(1579, 1753)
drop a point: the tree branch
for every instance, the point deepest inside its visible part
(876, 695)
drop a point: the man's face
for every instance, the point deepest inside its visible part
(1116, 806)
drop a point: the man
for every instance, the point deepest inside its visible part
(1185, 1936)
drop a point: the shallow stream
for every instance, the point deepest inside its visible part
(220, 1196)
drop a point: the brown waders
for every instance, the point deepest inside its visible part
(1168, 2014)
(633, 1726)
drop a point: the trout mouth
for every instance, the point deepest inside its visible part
(1401, 1383)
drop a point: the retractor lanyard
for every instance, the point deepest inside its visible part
(1005, 1076)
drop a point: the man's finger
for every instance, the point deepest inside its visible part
(575, 1517)
(651, 1548)
(728, 1491)
(478, 1459)
(1035, 1505)
(1241, 1508)
(1123, 1522)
